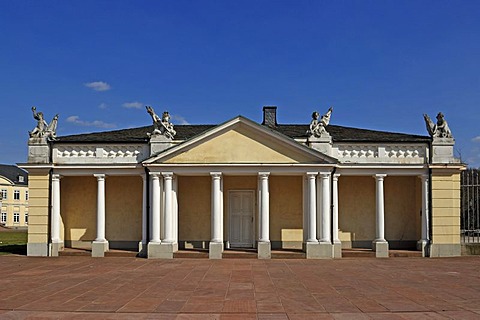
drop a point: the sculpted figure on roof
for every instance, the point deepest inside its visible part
(161, 126)
(43, 129)
(318, 126)
(440, 129)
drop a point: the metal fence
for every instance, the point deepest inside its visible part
(470, 206)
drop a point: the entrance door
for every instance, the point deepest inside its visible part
(241, 208)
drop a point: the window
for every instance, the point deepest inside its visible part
(4, 217)
(4, 194)
(26, 217)
(26, 195)
(16, 195)
(16, 217)
(21, 179)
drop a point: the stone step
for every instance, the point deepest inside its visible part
(191, 254)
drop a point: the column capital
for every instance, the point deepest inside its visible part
(380, 176)
(336, 176)
(167, 175)
(100, 176)
(324, 175)
(216, 175)
(263, 175)
(311, 174)
(154, 175)
(56, 176)
(424, 177)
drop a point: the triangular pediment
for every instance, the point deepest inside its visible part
(240, 141)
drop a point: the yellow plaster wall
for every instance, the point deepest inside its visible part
(402, 209)
(38, 184)
(286, 208)
(123, 208)
(357, 206)
(78, 207)
(239, 146)
(445, 207)
(194, 203)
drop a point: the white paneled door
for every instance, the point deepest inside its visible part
(242, 206)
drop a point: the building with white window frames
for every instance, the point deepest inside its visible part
(241, 184)
(14, 188)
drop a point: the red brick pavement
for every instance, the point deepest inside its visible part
(133, 288)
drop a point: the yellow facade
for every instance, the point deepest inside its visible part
(38, 222)
(445, 212)
(357, 209)
(15, 211)
(123, 210)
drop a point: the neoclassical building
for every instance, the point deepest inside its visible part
(13, 196)
(241, 184)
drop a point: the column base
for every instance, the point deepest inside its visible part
(445, 250)
(423, 245)
(319, 250)
(381, 248)
(39, 249)
(55, 248)
(99, 248)
(161, 250)
(264, 250)
(337, 249)
(215, 250)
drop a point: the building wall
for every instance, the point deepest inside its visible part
(194, 203)
(11, 206)
(38, 227)
(123, 210)
(445, 213)
(286, 211)
(357, 206)
(78, 196)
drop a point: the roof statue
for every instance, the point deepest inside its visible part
(43, 129)
(161, 126)
(318, 127)
(440, 129)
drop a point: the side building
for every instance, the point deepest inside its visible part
(242, 184)
(13, 196)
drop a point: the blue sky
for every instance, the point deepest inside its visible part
(380, 64)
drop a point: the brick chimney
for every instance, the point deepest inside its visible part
(270, 116)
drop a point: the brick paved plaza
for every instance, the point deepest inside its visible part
(133, 288)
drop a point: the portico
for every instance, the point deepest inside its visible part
(239, 184)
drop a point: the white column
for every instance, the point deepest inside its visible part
(326, 237)
(56, 208)
(380, 208)
(175, 209)
(335, 208)
(155, 208)
(425, 213)
(311, 229)
(168, 223)
(100, 207)
(265, 208)
(216, 207)
(144, 209)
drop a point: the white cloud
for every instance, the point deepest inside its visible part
(476, 139)
(96, 123)
(133, 105)
(103, 105)
(98, 86)
(179, 119)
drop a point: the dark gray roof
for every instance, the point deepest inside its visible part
(13, 173)
(184, 132)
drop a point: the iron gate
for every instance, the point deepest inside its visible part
(470, 206)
